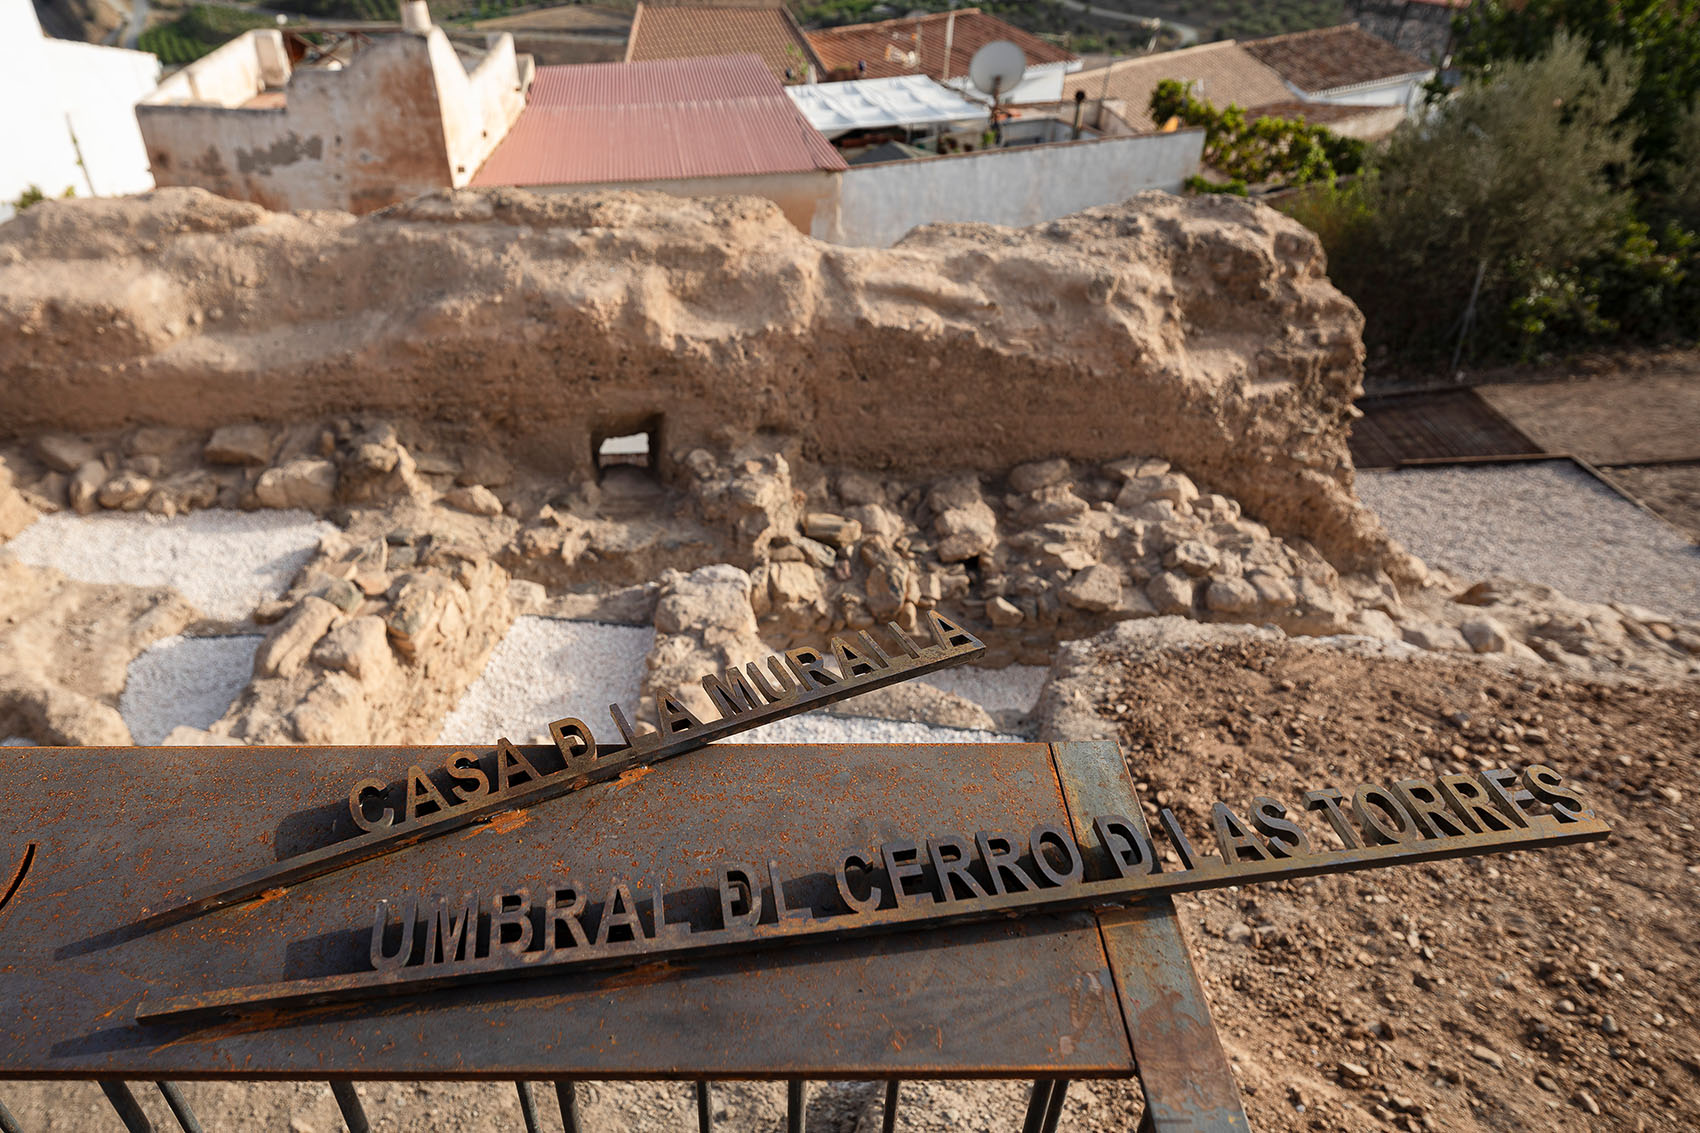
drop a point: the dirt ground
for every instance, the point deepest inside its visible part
(1621, 418)
(1542, 990)
(1671, 490)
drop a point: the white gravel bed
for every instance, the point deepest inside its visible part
(818, 728)
(545, 669)
(185, 680)
(1546, 522)
(225, 562)
(1012, 687)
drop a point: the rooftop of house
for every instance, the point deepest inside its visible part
(1331, 59)
(903, 100)
(917, 45)
(1221, 73)
(699, 31)
(663, 120)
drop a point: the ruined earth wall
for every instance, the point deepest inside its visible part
(1200, 330)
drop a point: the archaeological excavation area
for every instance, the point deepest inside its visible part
(483, 460)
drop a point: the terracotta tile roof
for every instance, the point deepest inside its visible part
(886, 46)
(1327, 59)
(1316, 113)
(609, 123)
(695, 32)
(1221, 73)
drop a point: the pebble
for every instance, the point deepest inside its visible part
(1587, 1102)
(1488, 1055)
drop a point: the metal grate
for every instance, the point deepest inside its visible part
(1449, 425)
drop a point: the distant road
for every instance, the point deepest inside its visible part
(1187, 33)
(138, 23)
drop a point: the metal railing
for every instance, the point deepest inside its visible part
(1044, 1107)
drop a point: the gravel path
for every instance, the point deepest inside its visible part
(185, 680)
(1012, 687)
(545, 669)
(1547, 522)
(225, 562)
(822, 729)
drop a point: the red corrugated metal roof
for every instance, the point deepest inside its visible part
(598, 123)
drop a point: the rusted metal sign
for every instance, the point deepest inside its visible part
(947, 879)
(470, 788)
(1018, 997)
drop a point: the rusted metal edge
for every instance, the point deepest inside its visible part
(586, 763)
(1183, 1070)
(1208, 873)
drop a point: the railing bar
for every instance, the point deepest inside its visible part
(796, 1097)
(1036, 1103)
(179, 1106)
(8, 1123)
(1053, 1109)
(527, 1107)
(353, 1114)
(705, 1109)
(118, 1093)
(566, 1093)
(888, 1121)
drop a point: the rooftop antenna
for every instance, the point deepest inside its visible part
(997, 69)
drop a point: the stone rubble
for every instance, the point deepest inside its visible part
(446, 544)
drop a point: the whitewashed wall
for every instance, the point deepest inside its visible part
(878, 204)
(53, 90)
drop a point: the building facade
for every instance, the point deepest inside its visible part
(70, 125)
(402, 116)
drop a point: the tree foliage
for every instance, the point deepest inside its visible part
(1660, 39)
(1249, 152)
(1504, 218)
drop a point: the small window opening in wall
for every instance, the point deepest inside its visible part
(633, 451)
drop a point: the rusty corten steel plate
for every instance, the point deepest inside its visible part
(119, 830)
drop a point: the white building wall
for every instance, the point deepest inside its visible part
(1405, 91)
(62, 98)
(878, 204)
(1040, 84)
(402, 118)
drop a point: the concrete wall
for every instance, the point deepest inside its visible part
(805, 198)
(231, 75)
(478, 108)
(402, 118)
(878, 204)
(68, 100)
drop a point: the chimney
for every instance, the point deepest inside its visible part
(415, 16)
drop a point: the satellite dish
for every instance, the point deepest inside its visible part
(997, 68)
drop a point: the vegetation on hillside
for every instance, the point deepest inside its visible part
(1080, 32)
(342, 9)
(1548, 204)
(198, 31)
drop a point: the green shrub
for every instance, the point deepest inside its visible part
(1285, 150)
